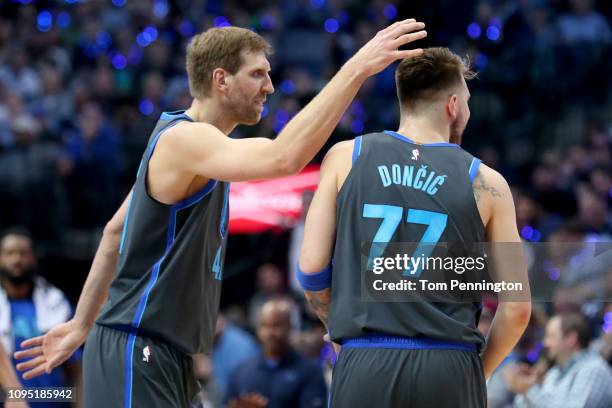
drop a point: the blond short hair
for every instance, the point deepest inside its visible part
(218, 48)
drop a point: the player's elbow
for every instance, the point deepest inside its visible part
(112, 231)
(286, 165)
(310, 263)
(518, 312)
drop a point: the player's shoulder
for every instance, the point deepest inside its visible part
(490, 180)
(187, 129)
(491, 175)
(348, 147)
(343, 147)
(186, 138)
(338, 153)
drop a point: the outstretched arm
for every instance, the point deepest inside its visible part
(200, 148)
(95, 290)
(56, 346)
(512, 316)
(320, 229)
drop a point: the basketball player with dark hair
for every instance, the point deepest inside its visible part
(402, 187)
(164, 248)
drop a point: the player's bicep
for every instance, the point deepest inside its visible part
(202, 149)
(502, 225)
(506, 257)
(320, 228)
(494, 189)
(244, 159)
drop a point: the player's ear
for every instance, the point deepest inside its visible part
(452, 106)
(220, 80)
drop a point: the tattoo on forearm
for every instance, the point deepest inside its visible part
(321, 304)
(480, 186)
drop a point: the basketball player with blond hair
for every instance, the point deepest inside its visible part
(159, 264)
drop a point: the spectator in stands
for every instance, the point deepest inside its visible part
(542, 106)
(11, 108)
(232, 348)
(498, 393)
(94, 150)
(30, 306)
(584, 24)
(281, 377)
(53, 68)
(534, 222)
(601, 180)
(31, 193)
(54, 106)
(16, 73)
(603, 344)
(270, 284)
(578, 378)
(593, 212)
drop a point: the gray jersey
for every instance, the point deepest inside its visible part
(427, 189)
(169, 272)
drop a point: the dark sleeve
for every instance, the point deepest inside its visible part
(313, 393)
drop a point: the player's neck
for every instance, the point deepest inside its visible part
(423, 129)
(209, 111)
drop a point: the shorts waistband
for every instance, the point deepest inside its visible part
(130, 330)
(407, 343)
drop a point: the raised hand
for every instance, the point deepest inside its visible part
(50, 350)
(383, 49)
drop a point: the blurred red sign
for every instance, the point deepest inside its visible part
(256, 206)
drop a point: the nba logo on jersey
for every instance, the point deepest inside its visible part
(415, 154)
(146, 353)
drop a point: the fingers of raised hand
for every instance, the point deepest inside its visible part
(27, 365)
(35, 372)
(409, 37)
(405, 28)
(34, 341)
(395, 25)
(31, 352)
(403, 54)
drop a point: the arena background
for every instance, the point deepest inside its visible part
(82, 84)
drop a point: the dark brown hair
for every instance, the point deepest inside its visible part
(575, 322)
(423, 78)
(218, 48)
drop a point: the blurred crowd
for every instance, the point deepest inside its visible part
(82, 84)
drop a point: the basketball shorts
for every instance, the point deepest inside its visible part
(122, 369)
(407, 373)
